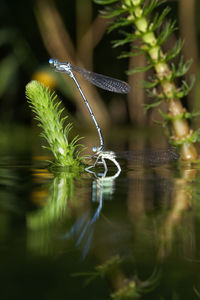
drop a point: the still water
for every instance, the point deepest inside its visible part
(133, 235)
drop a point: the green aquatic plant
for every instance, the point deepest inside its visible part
(152, 30)
(48, 113)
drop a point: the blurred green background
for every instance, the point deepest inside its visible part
(33, 31)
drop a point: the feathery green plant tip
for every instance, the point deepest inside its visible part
(47, 110)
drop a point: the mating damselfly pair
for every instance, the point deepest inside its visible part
(102, 81)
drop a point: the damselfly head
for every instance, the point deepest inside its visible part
(63, 67)
(53, 62)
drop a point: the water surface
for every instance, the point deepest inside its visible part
(131, 236)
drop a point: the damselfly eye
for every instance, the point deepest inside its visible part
(51, 61)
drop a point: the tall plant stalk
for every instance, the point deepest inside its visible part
(152, 34)
(48, 113)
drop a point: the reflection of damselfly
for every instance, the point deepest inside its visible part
(101, 157)
(102, 188)
(104, 82)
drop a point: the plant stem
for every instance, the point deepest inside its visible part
(48, 113)
(181, 129)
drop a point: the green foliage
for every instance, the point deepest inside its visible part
(138, 14)
(148, 26)
(182, 68)
(191, 138)
(174, 51)
(158, 19)
(48, 113)
(164, 34)
(143, 22)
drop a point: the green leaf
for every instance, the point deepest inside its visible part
(139, 51)
(119, 23)
(175, 50)
(149, 84)
(150, 7)
(183, 67)
(152, 105)
(166, 116)
(139, 69)
(129, 54)
(128, 39)
(166, 32)
(185, 88)
(113, 13)
(158, 19)
(196, 136)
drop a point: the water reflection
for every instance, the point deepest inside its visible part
(60, 205)
(177, 228)
(41, 223)
(101, 157)
(102, 188)
(127, 226)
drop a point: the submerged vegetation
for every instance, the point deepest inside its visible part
(48, 113)
(147, 27)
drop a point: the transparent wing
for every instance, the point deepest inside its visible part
(104, 82)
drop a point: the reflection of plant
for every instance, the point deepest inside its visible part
(61, 189)
(162, 87)
(43, 220)
(124, 287)
(48, 113)
(102, 270)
